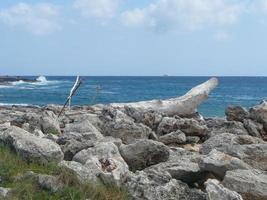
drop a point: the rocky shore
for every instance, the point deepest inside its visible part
(148, 150)
(152, 155)
(7, 80)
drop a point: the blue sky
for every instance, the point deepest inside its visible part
(133, 37)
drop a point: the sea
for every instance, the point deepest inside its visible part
(244, 91)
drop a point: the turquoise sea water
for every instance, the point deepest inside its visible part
(245, 91)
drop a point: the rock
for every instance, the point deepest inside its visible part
(254, 129)
(118, 125)
(84, 173)
(150, 118)
(116, 141)
(190, 127)
(192, 139)
(181, 165)
(30, 147)
(49, 123)
(84, 127)
(216, 191)
(144, 153)
(259, 114)
(223, 141)
(72, 143)
(143, 186)
(105, 157)
(236, 113)
(102, 150)
(233, 127)
(251, 150)
(177, 137)
(219, 163)
(251, 184)
(50, 183)
(4, 192)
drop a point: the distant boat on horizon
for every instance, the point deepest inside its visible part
(165, 75)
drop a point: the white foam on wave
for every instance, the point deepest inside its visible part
(14, 104)
(41, 80)
(5, 86)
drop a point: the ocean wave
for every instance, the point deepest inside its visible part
(5, 86)
(40, 81)
(14, 104)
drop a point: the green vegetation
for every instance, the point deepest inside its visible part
(12, 167)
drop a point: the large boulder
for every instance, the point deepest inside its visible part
(83, 172)
(217, 191)
(251, 184)
(236, 113)
(254, 129)
(4, 192)
(182, 165)
(118, 125)
(148, 117)
(219, 163)
(49, 123)
(218, 126)
(251, 150)
(190, 127)
(30, 147)
(72, 143)
(259, 113)
(177, 137)
(104, 157)
(148, 186)
(144, 153)
(85, 127)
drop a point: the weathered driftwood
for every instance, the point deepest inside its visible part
(183, 106)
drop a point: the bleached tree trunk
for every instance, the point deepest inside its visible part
(183, 106)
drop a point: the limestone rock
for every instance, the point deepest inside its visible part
(259, 114)
(177, 137)
(251, 150)
(72, 143)
(251, 184)
(181, 165)
(84, 173)
(49, 123)
(85, 127)
(144, 186)
(217, 191)
(192, 139)
(104, 157)
(4, 192)
(144, 153)
(118, 125)
(236, 113)
(49, 182)
(150, 118)
(190, 127)
(219, 163)
(254, 129)
(30, 147)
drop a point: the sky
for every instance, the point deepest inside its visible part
(133, 37)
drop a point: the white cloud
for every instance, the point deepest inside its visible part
(99, 9)
(184, 14)
(38, 19)
(222, 36)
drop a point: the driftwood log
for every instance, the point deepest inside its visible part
(183, 106)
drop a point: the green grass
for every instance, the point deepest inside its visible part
(12, 166)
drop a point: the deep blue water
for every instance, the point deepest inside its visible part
(245, 91)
